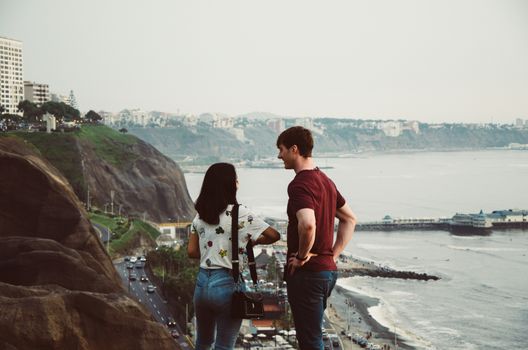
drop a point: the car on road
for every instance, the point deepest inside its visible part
(132, 277)
(129, 266)
(151, 288)
(143, 259)
(139, 265)
(175, 334)
(171, 323)
(335, 342)
(143, 278)
(127, 258)
(133, 259)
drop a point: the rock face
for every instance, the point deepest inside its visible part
(152, 183)
(58, 287)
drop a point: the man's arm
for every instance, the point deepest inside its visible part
(345, 229)
(306, 228)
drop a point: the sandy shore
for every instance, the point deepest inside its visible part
(348, 310)
(345, 304)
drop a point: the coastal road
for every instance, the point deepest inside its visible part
(104, 232)
(153, 301)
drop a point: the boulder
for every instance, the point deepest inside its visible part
(58, 286)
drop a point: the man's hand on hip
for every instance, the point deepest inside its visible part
(294, 262)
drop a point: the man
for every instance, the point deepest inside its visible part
(313, 203)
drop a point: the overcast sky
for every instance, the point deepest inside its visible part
(459, 60)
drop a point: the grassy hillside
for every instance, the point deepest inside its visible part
(108, 144)
(62, 150)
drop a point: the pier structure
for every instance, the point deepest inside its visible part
(497, 219)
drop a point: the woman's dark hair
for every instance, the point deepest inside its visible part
(218, 190)
(297, 135)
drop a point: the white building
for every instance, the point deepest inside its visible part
(217, 120)
(59, 98)
(190, 120)
(11, 74)
(306, 123)
(391, 128)
(519, 123)
(36, 93)
(276, 125)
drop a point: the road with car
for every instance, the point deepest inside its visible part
(136, 281)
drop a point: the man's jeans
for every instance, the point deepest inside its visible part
(212, 305)
(307, 295)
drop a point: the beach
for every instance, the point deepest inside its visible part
(345, 304)
(348, 310)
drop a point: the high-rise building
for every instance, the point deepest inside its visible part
(11, 74)
(36, 93)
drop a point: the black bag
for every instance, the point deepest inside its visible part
(246, 305)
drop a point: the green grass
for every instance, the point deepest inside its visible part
(126, 241)
(104, 220)
(109, 144)
(60, 149)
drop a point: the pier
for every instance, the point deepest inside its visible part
(461, 223)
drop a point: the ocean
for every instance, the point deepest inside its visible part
(481, 300)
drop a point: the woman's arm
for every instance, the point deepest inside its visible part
(193, 249)
(268, 236)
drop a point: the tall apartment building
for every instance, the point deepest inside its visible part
(36, 93)
(11, 74)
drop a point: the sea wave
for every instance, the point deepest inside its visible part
(386, 315)
(485, 249)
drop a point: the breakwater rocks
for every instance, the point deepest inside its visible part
(387, 273)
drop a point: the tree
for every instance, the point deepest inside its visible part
(123, 130)
(71, 113)
(54, 108)
(10, 120)
(93, 116)
(61, 110)
(30, 110)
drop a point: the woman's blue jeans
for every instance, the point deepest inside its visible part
(308, 292)
(212, 305)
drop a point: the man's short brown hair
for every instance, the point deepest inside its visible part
(299, 136)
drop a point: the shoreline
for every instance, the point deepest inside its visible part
(361, 321)
(348, 310)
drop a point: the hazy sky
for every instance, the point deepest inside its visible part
(445, 60)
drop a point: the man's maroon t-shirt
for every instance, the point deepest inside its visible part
(313, 189)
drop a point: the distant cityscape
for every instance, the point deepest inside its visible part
(14, 89)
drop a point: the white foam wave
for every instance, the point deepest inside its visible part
(485, 249)
(370, 246)
(386, 316)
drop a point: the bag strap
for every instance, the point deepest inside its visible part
(234, 249)
(234, 242)
(252, 264)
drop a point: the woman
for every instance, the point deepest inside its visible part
(210, 241)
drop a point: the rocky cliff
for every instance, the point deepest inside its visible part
(58, 287)
(101, 160)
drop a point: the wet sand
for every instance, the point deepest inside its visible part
(348, 310)
(347, 305)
